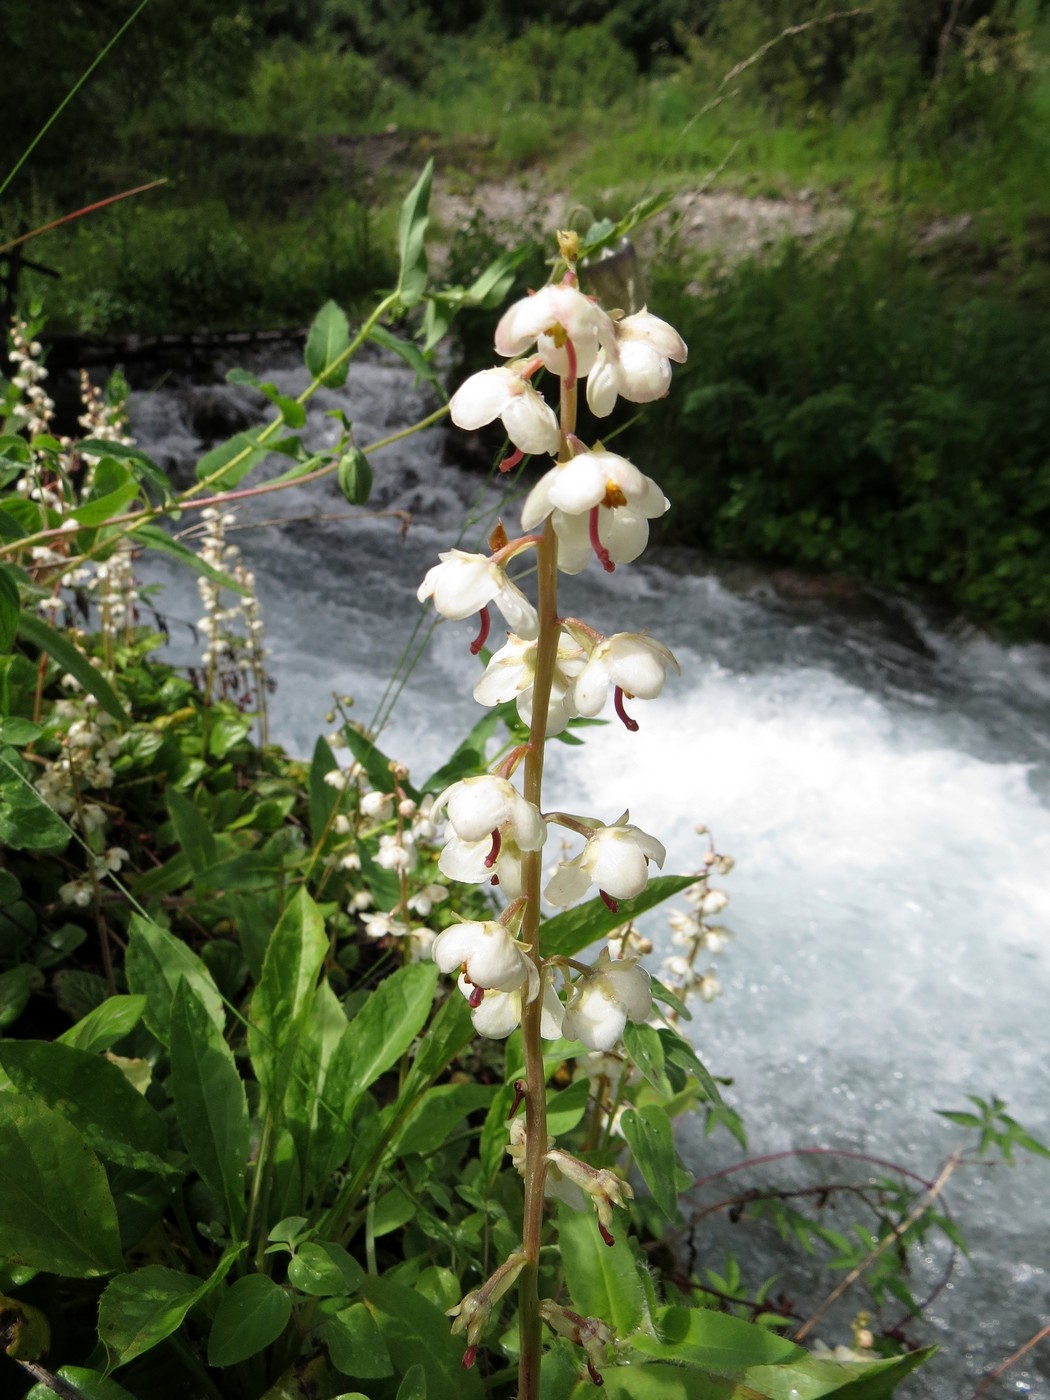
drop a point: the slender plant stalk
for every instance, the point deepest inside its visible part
(530, 1323)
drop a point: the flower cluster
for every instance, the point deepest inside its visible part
(693, 934)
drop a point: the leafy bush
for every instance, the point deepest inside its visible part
(846, 411)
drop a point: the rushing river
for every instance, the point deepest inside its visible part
(883, 784)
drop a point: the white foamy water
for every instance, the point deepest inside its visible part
(883, 787)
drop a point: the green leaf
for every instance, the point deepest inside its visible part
(328, 339)
(155, 963)
(469, 757)
(567, 1107)
(101, 1028)
(283, 996)
(18, 732)
(323, 796)
(324, 1270)
(355, 1344)
(412, 356)
(678, 1051)
(92, 1093)
(383, 1029)
(416, 1333)
(252, 1313)
(374, 761)
(140, 1309)
(154, 537)
(92, 1385)
(355, 476)
(647, 1051)
(225, 466)
(431, 1122)
(414, 1386)
(27, 823)
(17, 985)
(411, 232)
(210, 1101)
(46, 638)
(648, 1134)
(56, 1210)
(10, 606)
(142, 465)
(192, 830)
(603, 1280)
(103, 507)
(570, 933)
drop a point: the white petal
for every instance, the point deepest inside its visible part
(498, 1014)
(483, 397)
(644, 374)
(602, 386)
(518, 611)
(531, 424)
(568, 883)
(465, 860)
(579, 485)
(538, 503)
(592, 685)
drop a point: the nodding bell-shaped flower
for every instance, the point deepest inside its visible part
(605, 999)
(498, 1013)
(511, 673)
(600, 502)
(616, 859)
(488, 955)
(490, 825)
(595, 1336)
(635, 364)
(503, 393)
(566, 327)
(463, 584)
(635, 665)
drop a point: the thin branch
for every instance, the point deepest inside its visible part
(789, 33)
(919, 1210)
(992, 1376)
(79, 213)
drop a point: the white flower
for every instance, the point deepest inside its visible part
(498, 1013)
(463, 584)
(605, 999)
(616, 859)
(488, 955)
(395, 854)
(380, 925)
(634, 664)
(547, 319)
(491, 824)
(599, 502)
(377, 805)
(635, 363)
(502, 393)
(511, 674)
(423, 901)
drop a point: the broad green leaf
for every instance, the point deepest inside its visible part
(648, 1134)
(324, 1270)
(355, 476)
(411, 232)
(416, 1333)
(225, 466)
(375, 763)
(603, 1280)
(17, 985)
(384, 1028)
(192, 830)
(646, 1050)
(56, 1210)
(469, 757)
(355, 1344)
(210, 1101)
(311, 1126)
(439, 1111)
(18, 732)
(142, 465)
(495, 1133)
(678, 1051)
(27, 823)
(102, 508)
(155, 963)
(567, 1107)
(284, 993)
(61, 650)
(91, 1093)
(323, 796)
(252, 1313)
(10, 607)
(449, 1030)
(140, 1309)
(92, 1385)
(414, 1386)
(569, 933)
(328, 339)
(154, 537)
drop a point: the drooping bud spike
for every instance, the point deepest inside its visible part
(596, 544)
(479, 641)
(628, 723)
